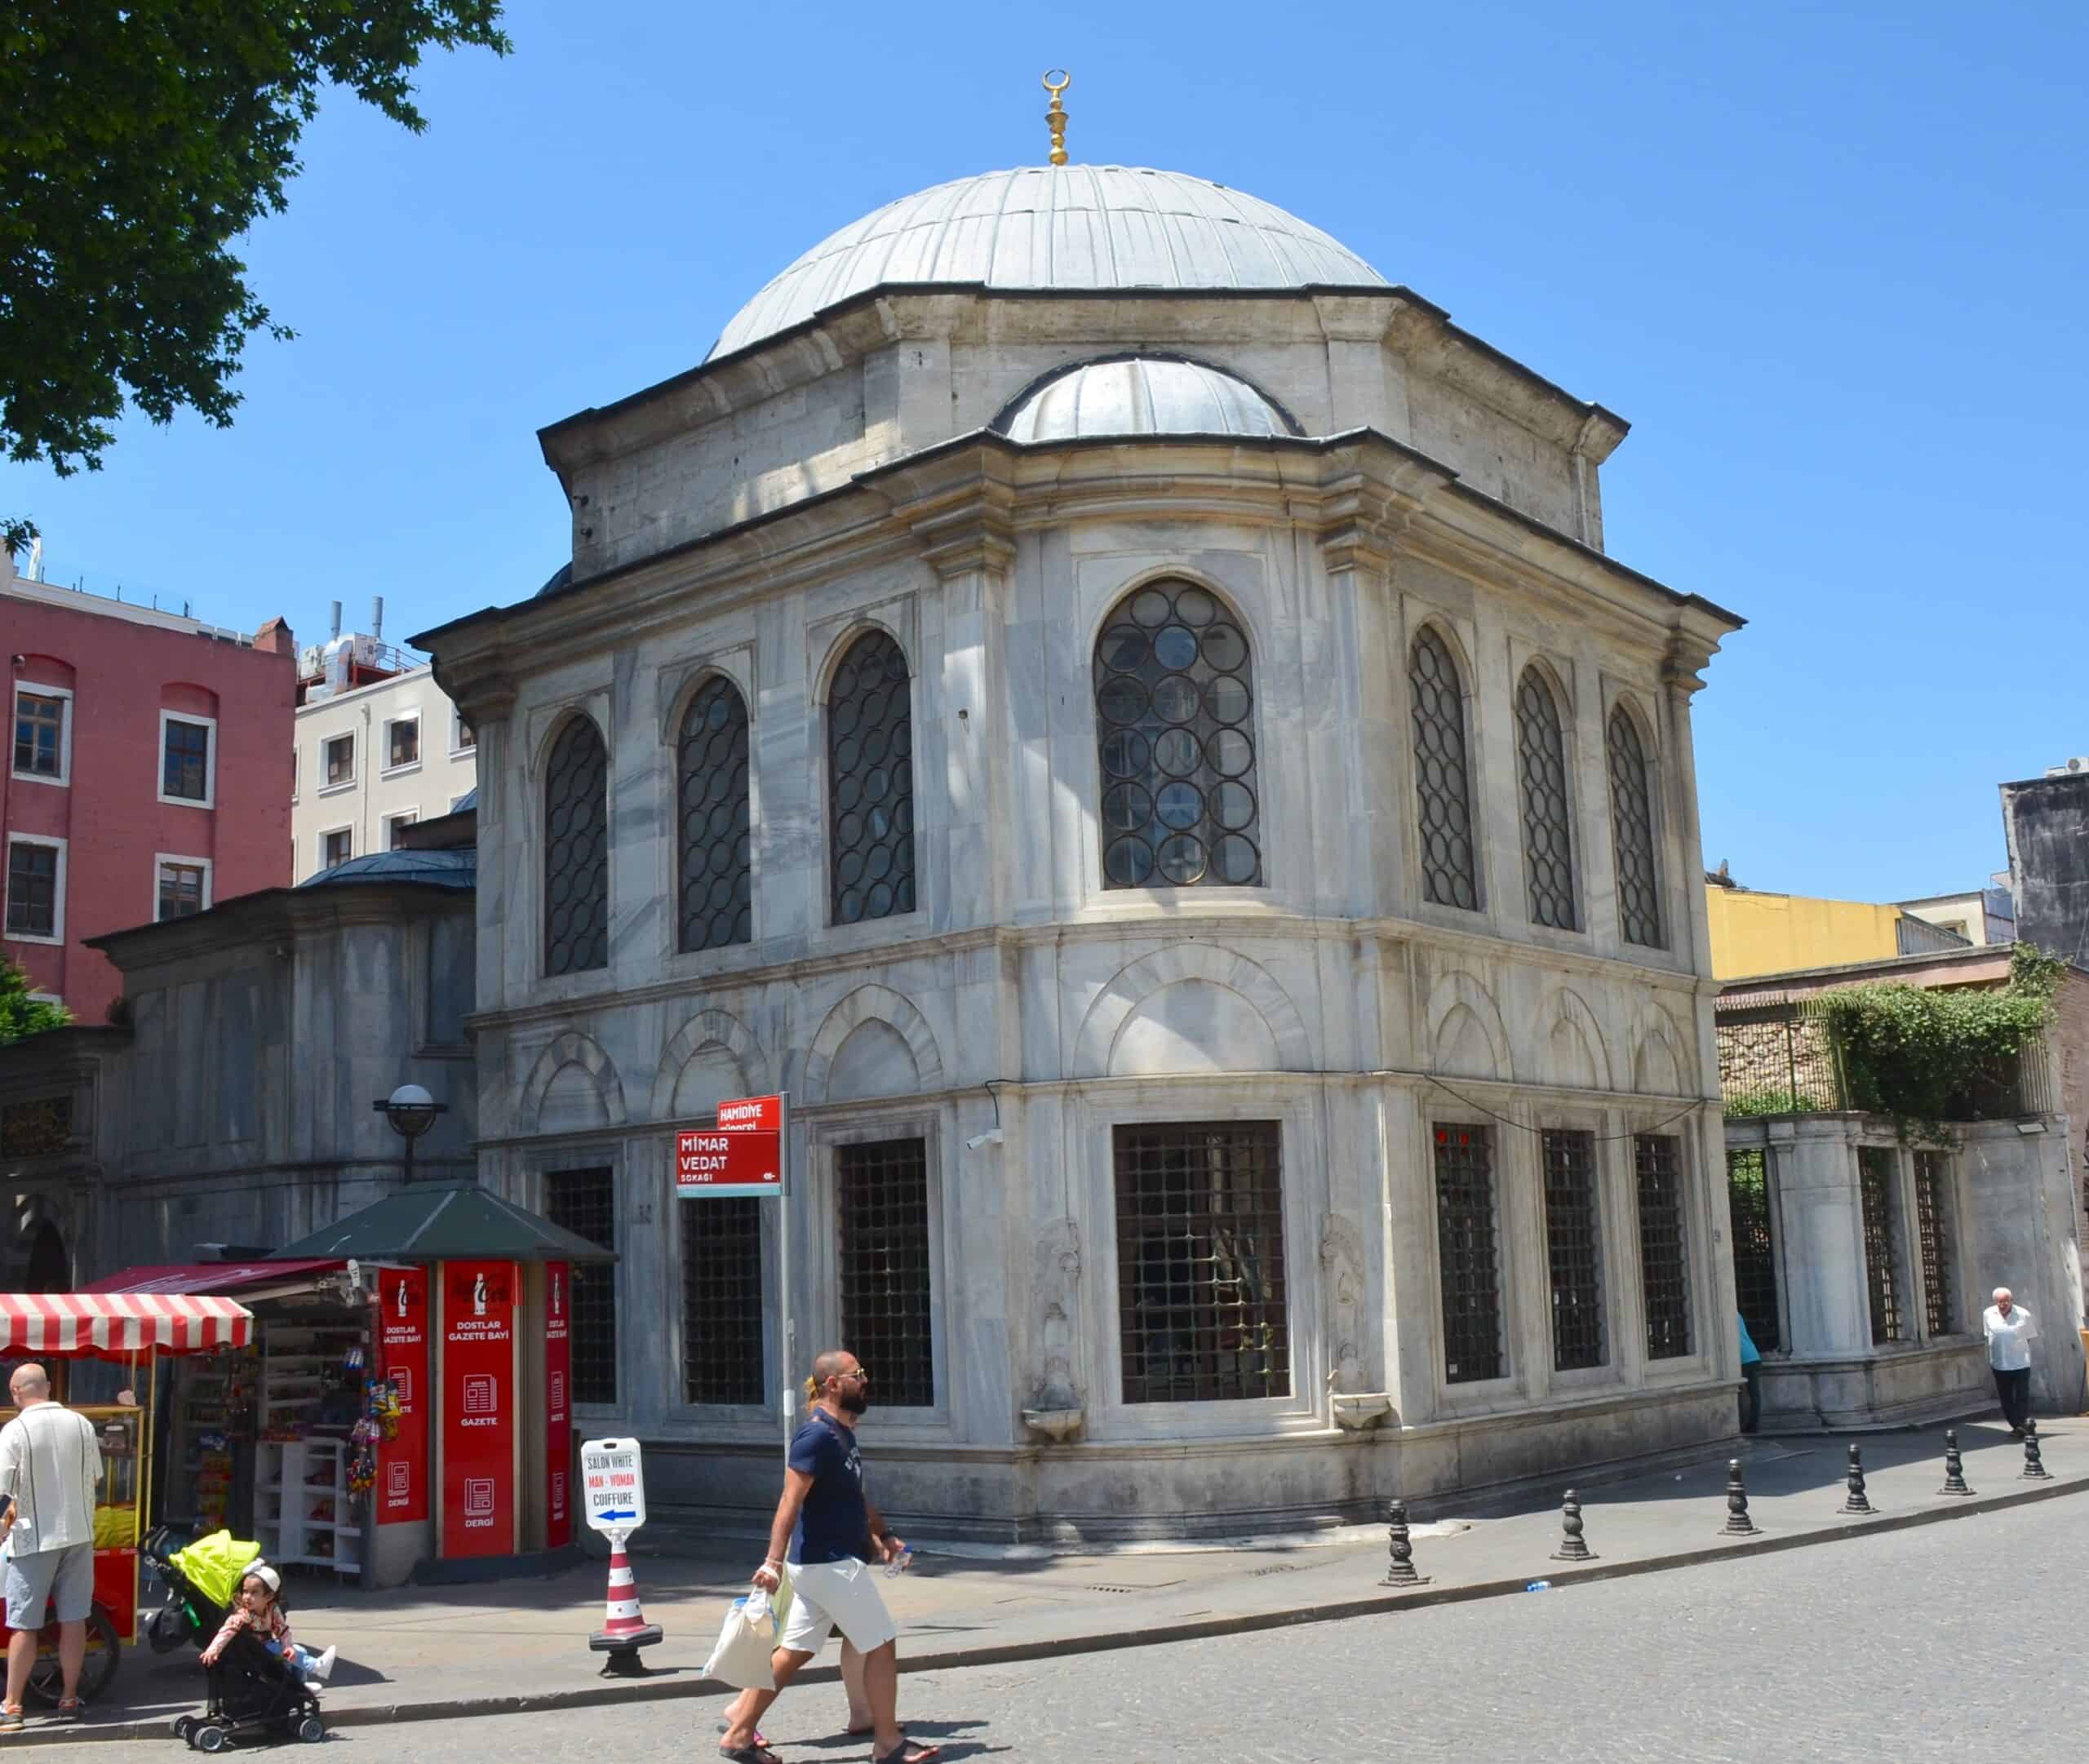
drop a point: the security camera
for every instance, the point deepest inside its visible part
(991, 1137)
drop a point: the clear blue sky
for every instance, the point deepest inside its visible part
(1830, 260)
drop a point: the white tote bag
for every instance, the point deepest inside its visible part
(741, 1658)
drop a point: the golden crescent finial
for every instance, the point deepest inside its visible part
(1056, 80)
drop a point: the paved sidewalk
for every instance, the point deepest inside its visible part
(423, 1653)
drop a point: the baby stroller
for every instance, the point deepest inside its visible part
(253, 1692)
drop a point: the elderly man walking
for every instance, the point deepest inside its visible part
(2010, 1330)
(827, 1524)
(50, 1464)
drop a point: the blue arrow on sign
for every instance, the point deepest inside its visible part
(611, 1512)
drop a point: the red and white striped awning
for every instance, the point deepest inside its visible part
(111, 1325)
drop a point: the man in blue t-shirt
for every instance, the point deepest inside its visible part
(828, 1527)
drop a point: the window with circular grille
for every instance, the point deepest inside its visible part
(869, 769)
(710, 773)
(1450, 875)
(1174, 703)
(577, 851)
(1541, 785)
(1632, 830)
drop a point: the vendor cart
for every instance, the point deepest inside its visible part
(128, 1331)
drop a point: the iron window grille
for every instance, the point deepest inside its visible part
(1754, 1249)
(403, 741)
(32, 889)
(722, 1304)
(1450, 874)
(1664, 1245)
(1877, 1177)
(181, 890)
(1174, 700)
(1469, 1254)
(341, 760)
(185, 768)
(1203, 1312)
(870, 768)
(1542, 784)
(1632, 831)
(39, 734)
(881, 1208)
(717, 845)
(577, 851)
(585, 1202)
(1933, 1237)
(1572, 1250)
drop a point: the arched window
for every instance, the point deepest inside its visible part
(1450, 874)
(1175, 703)
(577, 851)
(1541, 790)
(711, 777)
(1632, 831)
(870, 767)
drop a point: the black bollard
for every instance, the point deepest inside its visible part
(1855, 1501)
(1399, 1571)
(2034, 1464)
(1738, 1523)
(1573, 1547)
(1954, 1465)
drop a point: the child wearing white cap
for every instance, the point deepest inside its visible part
(255, 1607)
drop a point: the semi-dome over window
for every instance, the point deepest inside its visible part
(1141, 395)
(1067, 227)
(710, 776)
(870, 762)
(1174, 705)
(577, 851)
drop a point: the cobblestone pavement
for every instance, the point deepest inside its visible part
(1952, 1641)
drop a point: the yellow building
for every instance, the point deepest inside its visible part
(1754, 933)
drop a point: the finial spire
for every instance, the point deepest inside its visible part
(1056, 80)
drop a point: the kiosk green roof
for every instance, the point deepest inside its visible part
(443, 1222)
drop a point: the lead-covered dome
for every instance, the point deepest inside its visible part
(1141, 395)
(1056, 227)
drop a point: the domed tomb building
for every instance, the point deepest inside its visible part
(1125, 715)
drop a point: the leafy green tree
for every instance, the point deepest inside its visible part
(22, 1014)
(141, 138)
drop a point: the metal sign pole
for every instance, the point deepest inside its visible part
(789, 1332)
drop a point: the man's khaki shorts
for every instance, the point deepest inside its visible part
(63, 1579)
(842, 1594)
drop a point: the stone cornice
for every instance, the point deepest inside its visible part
(249, 919)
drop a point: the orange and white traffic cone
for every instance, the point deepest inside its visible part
(624, 1628)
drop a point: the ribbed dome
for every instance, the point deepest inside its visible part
(1141, 395)
(1071, 227)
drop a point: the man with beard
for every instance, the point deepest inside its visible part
(827, 1523)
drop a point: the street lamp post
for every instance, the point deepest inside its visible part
(411, 1111)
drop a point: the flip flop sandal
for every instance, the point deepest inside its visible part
(749, 1754)
(907, 1752)
(71, 1708)
(760, 1737)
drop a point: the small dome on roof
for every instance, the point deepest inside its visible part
(1141, 395)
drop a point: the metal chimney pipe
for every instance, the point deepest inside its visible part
(377, 617)
(337, 619)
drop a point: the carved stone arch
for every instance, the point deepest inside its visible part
(685, 689)
(585, 1055)
(1444, 629)
(1137, 983)
(1572, 1051)
(556, 720)
(1248, 616)
(845, 640)
(872, 1004)
(1658, 1064)
(1556, 682)
(1466, 1036)
(1626, 701)
(707, 1030)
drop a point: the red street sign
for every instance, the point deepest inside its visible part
(744, 1155)
(751, 1115)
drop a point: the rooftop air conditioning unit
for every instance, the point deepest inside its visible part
(2079, 763)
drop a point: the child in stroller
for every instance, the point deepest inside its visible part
(259, 1611)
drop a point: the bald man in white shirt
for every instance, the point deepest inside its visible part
(2010, 1330)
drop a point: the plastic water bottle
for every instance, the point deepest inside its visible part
(1539, 1586)
(900, 1563)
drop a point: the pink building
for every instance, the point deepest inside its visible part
(148, 776)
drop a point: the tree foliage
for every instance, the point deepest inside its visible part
(22, 1014)
(141, 138)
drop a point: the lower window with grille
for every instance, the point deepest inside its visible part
(1755, 1248)
(1203, 1312)
(1878, 1179)
(1934, 1225)
(1468, 1253)
(881, 1206)
(1664, 1245)
(1572, 1249)
(722, 1307)
(585, 1202)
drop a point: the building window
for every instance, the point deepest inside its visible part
(870, 765)
(393, 823)
(402, 743)
(185, 770)
(1541, 786)
(1632, 831)
(43, 751)
(1450, 870)
(717, 849)
(1664, 1245)
(465, 738)
(36, 894)
(722, 1306)
(1202, 1310)
(1754, 1250)
(1174, 700)
(184, 887)
(296, 772)
(336, 847)
(577, 851)
(1933, 1235)
(1465, 1247)
(1571, 1249)
(881, 1207)
(341, 756)
(1878, 1176)
(585, 1202)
